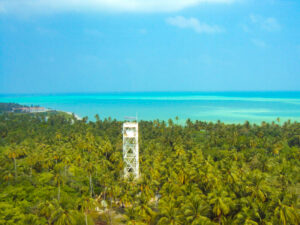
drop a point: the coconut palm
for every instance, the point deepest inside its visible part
(286, 214)
(47, 210)
(142, 208)
(14, 154)
(87, 205)
(132, 217)
(195, 209)
(65, 217)
(220, 202)
(169, 213)
(58, 180)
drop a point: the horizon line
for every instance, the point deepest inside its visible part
(133, 92)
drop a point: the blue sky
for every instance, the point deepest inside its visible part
(59, 46)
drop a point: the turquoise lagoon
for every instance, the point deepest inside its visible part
(229, 107)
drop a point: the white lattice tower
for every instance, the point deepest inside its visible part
(131, 149)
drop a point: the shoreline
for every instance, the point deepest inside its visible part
(71, 114)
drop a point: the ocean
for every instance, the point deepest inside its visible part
(228, 107)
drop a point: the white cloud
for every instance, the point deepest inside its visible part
(267, 24)
(104, 5)
(193, 23)
(259, 43)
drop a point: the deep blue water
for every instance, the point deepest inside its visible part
(229, 107)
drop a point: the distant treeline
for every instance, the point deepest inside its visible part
(7, 107)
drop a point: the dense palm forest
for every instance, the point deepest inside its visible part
(59, 170)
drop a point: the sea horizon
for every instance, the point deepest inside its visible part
(145, 92)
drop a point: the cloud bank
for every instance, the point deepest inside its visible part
(267, 24)
(8, 6)
(194, 24)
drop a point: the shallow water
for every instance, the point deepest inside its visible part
(229, 107)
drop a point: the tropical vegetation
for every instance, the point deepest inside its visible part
(59, 170)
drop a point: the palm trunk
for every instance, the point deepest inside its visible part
(15, 165)
(86, 222)
(65, 170)
(58, 193)
(30, 173)
(91, 186)
(104, 192)
(110, 219)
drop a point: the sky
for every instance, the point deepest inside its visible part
(83, 46)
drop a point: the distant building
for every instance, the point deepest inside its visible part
(30, 109)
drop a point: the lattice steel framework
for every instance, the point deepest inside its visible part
(131, 149)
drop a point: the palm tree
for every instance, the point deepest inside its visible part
(90, 169)
(87, 205)
(143, 210)
(177, 119)
(246, 216)
(65, 217)
(195, 209)
(7, 176)
(286, 214)
(170, 122)
(58, 180)
(220, 203)
(14, 154)
(169, 213)
(258, 186)
(46, 209)
(31, 219)
(132, 217)
(125, 197)
(31, 160)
